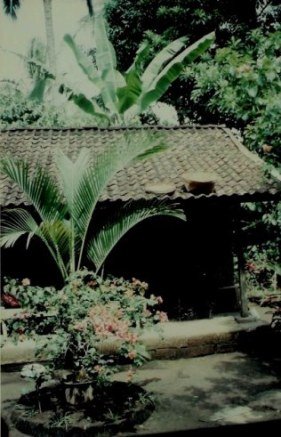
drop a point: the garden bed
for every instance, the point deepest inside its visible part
(116, 407)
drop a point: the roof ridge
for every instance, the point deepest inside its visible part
(116, 128)
(243, 149)
(253, 156)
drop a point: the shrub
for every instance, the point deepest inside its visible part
(90, 311)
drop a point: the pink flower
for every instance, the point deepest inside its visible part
(131, 337)
(23, 315)
(99, 369)
(147, 313)
(136, 281)
(130, 375)
(80, 326)
(129, 293)
(159, 300)
(162, 316)
(25, 282)
(132, 355)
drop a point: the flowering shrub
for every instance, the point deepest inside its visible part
(23, 294)
(97, 325)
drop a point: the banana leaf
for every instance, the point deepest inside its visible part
(160, 60)
(105, 58)
(140, 58)
(84, 63)
(173, 69)
(129, 94)
(87, 105)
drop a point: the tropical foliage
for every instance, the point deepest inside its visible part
(65, 207)
(241, 86)
(163, 21)
(117, 98)
(18, 110)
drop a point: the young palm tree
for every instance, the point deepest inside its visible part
(65, 206)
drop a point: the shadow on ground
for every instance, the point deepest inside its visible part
(223, 394)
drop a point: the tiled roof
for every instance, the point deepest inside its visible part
(199, 148)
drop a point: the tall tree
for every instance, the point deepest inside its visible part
(10, 8)
(50, 36)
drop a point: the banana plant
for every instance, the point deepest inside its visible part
(118, 98)
(65, 206)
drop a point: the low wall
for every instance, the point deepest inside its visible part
(174, 340)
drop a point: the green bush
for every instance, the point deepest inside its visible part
(240, 86)
(18, 111)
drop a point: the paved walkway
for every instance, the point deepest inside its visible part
(197, 392)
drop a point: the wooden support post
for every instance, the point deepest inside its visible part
(244, 308)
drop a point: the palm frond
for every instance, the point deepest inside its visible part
(58, 234)
(57, 237)
(71, 173)
(100, 173)
(119, 224)
(38, 186)
(16, 223)
(10, 7)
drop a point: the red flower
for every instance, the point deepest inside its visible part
(10, 301)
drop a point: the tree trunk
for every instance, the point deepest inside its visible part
(50, 37)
